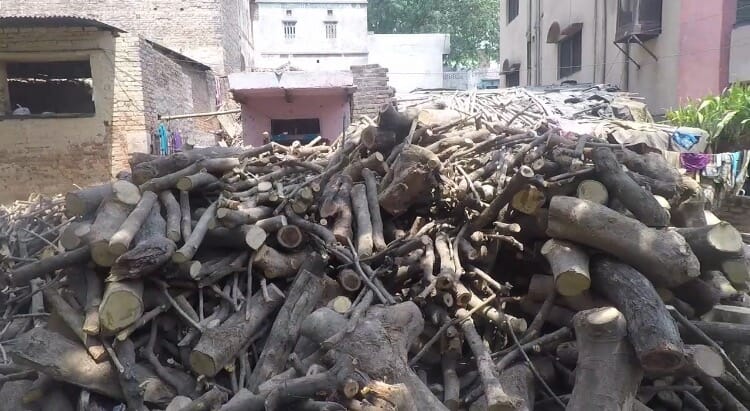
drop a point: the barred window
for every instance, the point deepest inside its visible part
(330, 30)
(290, 30)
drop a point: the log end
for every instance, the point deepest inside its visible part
(122, 310)
(736, 271)
(203, 364)
(101, 255)
(572, 283)
(725, 238)
(126, 192)
(289, 236)
(662, 360)
(255, 237)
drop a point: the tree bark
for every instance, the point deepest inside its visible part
(409, 180)
(198, 181)
(593, 191)
(24, 274)
(663, 256)
(109, 218)
(74, 321)
(218, 346)
(166, 165)
(699, 294)
(391, 120)
(186, 220)
(301, 301)
(85, 201)
(376, 218)
(121, 306)
(607, 376)
(376, 139)
(714, 244)
(570, 267)
(640, 202)
(188, 250)
(274, 264)
(690, 213)
(121, 239)
(174, 215)
(361, 210)
(234, 218)
(651, 330)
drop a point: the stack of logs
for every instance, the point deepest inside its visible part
(416, 263)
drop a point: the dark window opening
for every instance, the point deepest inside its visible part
(512, 10)
(569, 55)
(303, 130)
(743, 12)
(513, 79)
(48, 88)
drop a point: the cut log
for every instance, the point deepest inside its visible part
(736, 270)
(209, 401)
(663, 256)
(699, 294)
(151, 251)
(651, 330)
(593, 191)
(218, 346)
(518, 382)
(652, 165)
(640, 202)
(529, 200)
(361, 210)
(121, 239)
(22, 275)
(607, 375)
(350, 280)
(690, 213)
(85, 201)
(197, 181)
(121, 306)
(12, 394)
(169, 181)
(391, 120)
(74, 321)
(256, 234)
(302, 298)
(125, 352)
(495, 396)
(451, 384)
(375, 162)
(719, 283)
(188, 250)
(234, 218)
(409, 180)
(109, 218)
(376, 139)
(372, 202)
(517, 183)
(162, 166)
(75, 234)
(186, 220)
(274, 264)
(289, 237)
(702, 360)
(570, 266)
(174, 215)
(714, 244)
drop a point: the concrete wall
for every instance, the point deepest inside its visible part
(212, 32)
(739, 63)
(50, 155)
(736, 210)
(258, 111)
(691, 50)
(311, 50)
(413, 60)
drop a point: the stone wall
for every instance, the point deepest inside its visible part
(736, 210)
(372, 90)
(207, 31)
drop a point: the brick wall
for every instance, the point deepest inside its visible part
(372, 90)
(129, 132)
(736, 210)
(200, 29)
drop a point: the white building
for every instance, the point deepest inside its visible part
(326, 35)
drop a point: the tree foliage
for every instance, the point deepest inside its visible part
(472, 24)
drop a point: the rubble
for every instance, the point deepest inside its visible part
(428, 260)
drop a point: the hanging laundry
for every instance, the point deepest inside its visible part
(176, 141)
(694, 161)
(713, 168)
(163, 140)
(673, 158)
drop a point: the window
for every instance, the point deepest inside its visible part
(330, 13)
(569, 55)
(302, 129)
(512, 10)
(743, 12)
(49, 88)
(513, 79)
(290, 30)
(288, 13)
(330, 30)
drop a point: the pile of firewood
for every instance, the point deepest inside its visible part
(426, 261)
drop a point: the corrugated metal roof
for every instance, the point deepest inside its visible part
(55, 21)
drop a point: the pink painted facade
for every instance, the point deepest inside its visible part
(704, 51)
(331, 107)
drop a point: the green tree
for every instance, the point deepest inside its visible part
(472, 24)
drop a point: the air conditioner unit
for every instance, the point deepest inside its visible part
(638, 20)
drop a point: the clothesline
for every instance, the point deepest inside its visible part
(727, 169)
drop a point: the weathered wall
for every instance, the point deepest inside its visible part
(50, 155)
(413, 60)
(311, 50)
(372, 90)
(736, 210)
(207, 31)
(332, 110)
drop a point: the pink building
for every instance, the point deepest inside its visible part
(293, 105)
(666, 51)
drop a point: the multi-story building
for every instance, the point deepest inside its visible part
(667, 51)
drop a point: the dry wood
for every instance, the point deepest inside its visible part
(198, 181)
(570, 266)
(48, 265)
(593, 191)
(86, 201)
(289, 237)
(109, 218)
(233, 218)
(121, 239)
(162, 166)
(121, 305)
(408, 180)
(74, 321)
(364, 223)
(186, 222)
(188, 250)
(662, 256)
(274, 264)
(174, 215)
(714, 244)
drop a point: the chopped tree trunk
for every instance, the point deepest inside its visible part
(719, 283)
(702, 360)
(22, 275)
(109, 218)
(529, 200)
(162, 166)
(121, 306)
(174, 215)
(218, 346)
(188, 250)
(380, 140)
(375, 162)
(607, 376)
(570, 266)
(448, 276)
(518, 382)
(593, 191)
(186, 220)
(714, 244)
(289, 237)
(12, 395)
(364, 223)
(256, 234)
(302, 298)
(640, 202)
(125, 352)
(151, 251)
(391, 120)
(651, 330)
(519, 181)
(690, 213)
(120, 241)
(699, 294)
(409, 180)
(663, 256)
(209, 401)
(274, 264)
(93, 299)
(451, 385)
(350, 280)
(736, 270)
(234, 218)
(495, 396)
(75, 234)
(74, 321)
(375, 217)
(197, 181)
(85, 201)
